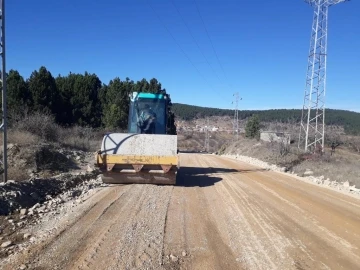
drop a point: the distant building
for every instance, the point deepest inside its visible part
(270, 136)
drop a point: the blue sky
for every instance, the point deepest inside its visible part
(262, 47)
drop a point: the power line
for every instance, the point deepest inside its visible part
(236, 115)
(212, 45)
(207, 135)
(197, 44)
(172, 36)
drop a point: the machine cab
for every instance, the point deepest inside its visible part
(147, 113)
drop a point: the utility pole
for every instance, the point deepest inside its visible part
(236, 115)
(207, 136)
(312, 126)
(3, 126)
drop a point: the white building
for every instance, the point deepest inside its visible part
(270, 136)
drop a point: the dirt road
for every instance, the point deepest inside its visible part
(223, 214)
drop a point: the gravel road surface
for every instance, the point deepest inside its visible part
(222, 214)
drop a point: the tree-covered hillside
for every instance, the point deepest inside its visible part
(349, 120)
(78, 99)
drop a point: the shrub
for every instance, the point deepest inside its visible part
(355, 144)
(284, 148)
(37, 127)
(252, 129)
(81, 138)
(40, 124)
(222, 149)
(21, 137)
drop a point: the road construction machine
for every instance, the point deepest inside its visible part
(146, 154)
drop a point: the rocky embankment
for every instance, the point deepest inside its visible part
(46, 194)
(29, 203)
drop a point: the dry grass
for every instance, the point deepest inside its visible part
(22, 137)
(266, 151)
(195, 141)
(17, 174)
(41, 128)
(338, 168)
(34, 141)
(40, 124)
(341, 166)
(79, 138)
(191, 141)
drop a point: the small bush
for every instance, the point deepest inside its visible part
(22, 137)
(40, 124)
(81, 138)
(252, 129)
(222, 149)
(41, 127)
(284, 148)
(355, 144)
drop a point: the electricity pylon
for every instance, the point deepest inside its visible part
(236, 115)
(207, 136)
(3, 126)
(312, 127)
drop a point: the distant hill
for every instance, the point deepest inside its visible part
(349, 120)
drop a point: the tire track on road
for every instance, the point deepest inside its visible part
(77, 237)
(198, 231)
(91, 251)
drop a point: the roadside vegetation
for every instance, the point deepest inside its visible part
(193, 141)
(39, 147)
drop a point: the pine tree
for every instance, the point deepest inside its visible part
(252, 129)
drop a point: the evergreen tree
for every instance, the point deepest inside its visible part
(44, 93)
(18, 95)
(84, 100)
(116, 108)
(65, 85)
(252, 129)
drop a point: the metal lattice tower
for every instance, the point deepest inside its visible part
(3, 126)
(236, 115)
(207, 136)
(312, 127)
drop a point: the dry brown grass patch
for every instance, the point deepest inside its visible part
(341, 166)
(22, 137)
(81, 138)
(17, 174)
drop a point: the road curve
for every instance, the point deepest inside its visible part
(223, 214)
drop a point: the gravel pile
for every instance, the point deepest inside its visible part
(307, 175)
(26, 194)
(18, 228)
